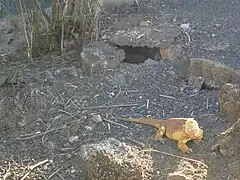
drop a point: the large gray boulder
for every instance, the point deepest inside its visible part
(100, 56)
(160, 36)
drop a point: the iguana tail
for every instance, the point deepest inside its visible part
(146, 121)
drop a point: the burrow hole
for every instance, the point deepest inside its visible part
(138, 55)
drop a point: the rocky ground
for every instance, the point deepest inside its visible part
(52, 108)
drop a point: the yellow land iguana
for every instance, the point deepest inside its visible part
(178, 129)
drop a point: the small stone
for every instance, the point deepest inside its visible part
(96, 118)
(195, 90)
(151, 62)
(73, 170)
(196, 83)
(172, 73)
(22, 122)
(57, 71)
(143, 23)
(68, 156)
(185, 27)
(111, 94)
(66, 145)
(172, 52)
(89, 128)
(73, 139)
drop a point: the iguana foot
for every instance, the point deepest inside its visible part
(158, 137)
(197, 141)
(183, 147)
(189, 151)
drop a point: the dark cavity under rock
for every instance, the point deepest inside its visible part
(139, 54)
(113, 160)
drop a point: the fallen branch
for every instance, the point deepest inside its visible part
(176, 156)
(105, 106)
(136, 142)
(115, 123)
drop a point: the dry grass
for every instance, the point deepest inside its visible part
(69, 22)
(24, 169)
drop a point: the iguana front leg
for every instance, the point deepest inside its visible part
(183, 147)
(159, 135)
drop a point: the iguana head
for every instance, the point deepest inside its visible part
(191, 127)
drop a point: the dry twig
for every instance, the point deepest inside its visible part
(207, 103)
(29, 42)
(110, 106)
(147, 104)
(115, 123)
(8, 173)
(173, 155)
(55, 172)
(136, 142)
(32, 167)
(165, 96)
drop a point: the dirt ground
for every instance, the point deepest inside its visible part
(46, 104)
